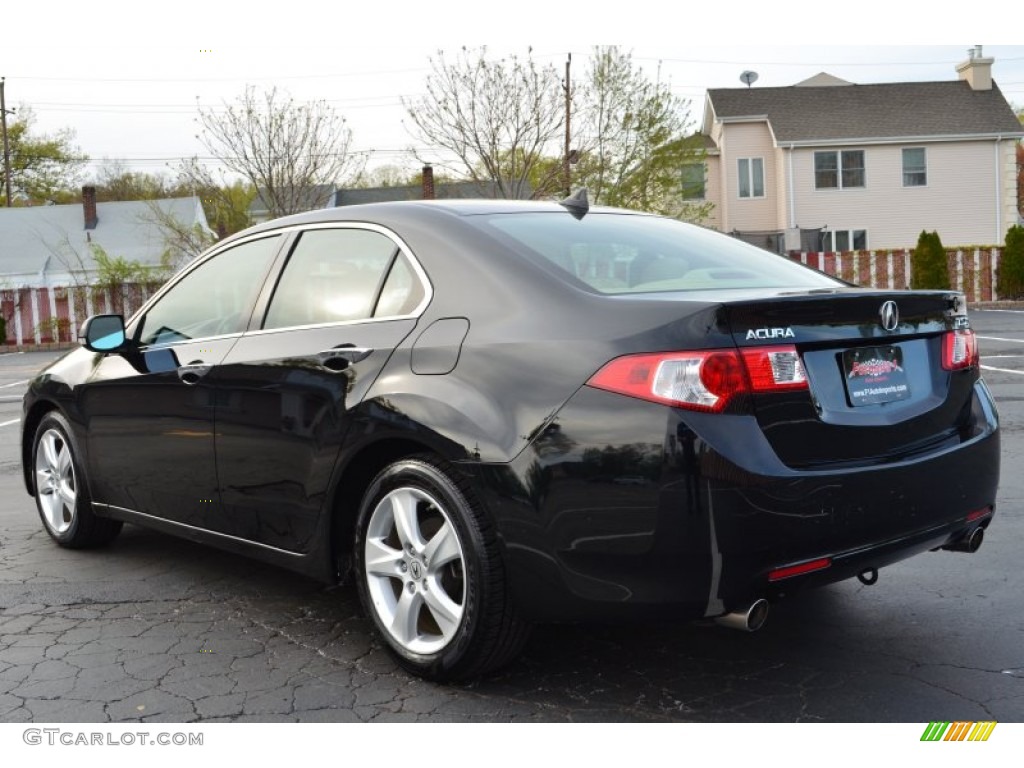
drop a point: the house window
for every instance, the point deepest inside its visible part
(844, 240)
(751, 171)
(693, 181)
(915, 172)
(839, 170)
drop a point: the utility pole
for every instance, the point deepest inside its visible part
(7, 147)
(567, 87)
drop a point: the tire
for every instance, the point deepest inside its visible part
(430, 574)
(61, 492)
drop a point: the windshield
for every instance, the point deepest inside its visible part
(624, 253)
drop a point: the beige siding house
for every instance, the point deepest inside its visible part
(828, 165)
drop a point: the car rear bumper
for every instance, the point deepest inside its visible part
(622, 507)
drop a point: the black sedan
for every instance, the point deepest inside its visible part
(491, 414)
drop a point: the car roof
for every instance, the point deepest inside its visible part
(394, 211)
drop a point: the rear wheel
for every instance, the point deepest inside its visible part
(430, 573)
(61, 494)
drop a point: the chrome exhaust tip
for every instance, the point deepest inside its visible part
(749, 620)
(970, 543)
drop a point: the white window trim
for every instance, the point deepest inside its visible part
(830, 232)
(750, 178)
(839, 168)
(903, 169)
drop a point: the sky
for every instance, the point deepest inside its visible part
(128, 82)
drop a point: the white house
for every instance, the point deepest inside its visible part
(50, 245)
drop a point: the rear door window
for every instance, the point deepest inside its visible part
(333, 276)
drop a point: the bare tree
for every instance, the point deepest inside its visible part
(498, 117)
(282, 147)
(183, 241)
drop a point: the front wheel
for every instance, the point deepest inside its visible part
(61, 495)
(430, 573)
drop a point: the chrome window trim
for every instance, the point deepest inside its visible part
(173, 344)
(339, 324)
(284, 232)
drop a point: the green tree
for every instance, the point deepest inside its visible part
(1011, 266)
(498, 117)
(640, 140)
(44, 167)
(928, 263)
(114, 181)
(389, 175)
(225, 203)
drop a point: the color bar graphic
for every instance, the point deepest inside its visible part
(958, 731)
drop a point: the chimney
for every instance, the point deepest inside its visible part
(428, 182)
(977, 71)
(89, 207)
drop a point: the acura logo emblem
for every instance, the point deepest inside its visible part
(890, 315)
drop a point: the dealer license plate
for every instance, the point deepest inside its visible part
(875, 375)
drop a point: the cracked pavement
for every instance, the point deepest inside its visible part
(155, 628)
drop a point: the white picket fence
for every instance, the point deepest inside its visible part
(39, 316)
(972, 271)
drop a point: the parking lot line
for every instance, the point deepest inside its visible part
(1001, 370)
(1001, 338)
(9, 423)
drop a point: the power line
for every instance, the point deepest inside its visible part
(241, 79)
(814, 63)
(376, 73)
(211, 158)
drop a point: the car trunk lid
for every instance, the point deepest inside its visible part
(877, 389)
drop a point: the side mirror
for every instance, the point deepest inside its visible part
(103, 333)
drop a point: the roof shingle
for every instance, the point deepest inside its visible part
(875, 111)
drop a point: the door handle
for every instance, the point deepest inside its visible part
(194, 371)
(340, 358)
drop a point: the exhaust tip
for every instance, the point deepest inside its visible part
(970, 543)
(749, 620)
(974, 542)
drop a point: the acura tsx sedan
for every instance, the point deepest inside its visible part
(490, 414)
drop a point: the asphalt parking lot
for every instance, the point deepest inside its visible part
(158, 629)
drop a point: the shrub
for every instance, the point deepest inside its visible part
(928, 267)
(1011, 266)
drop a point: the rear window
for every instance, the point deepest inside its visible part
(622, 253)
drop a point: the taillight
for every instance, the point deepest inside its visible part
(959, 350)
(703, 380)
(774, 368)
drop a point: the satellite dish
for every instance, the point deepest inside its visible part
(748, 77)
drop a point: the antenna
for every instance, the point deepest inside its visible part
(577, 203)
(748, 76)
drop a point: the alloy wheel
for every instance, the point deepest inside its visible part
(56, 486)
(415, 570)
